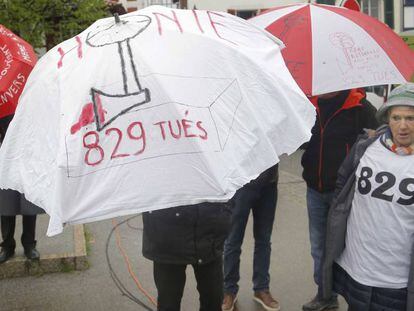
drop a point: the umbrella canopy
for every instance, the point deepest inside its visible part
(158, 108)
(17, 59)
(332, 48)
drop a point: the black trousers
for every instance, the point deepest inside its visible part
(8, 226)
(170, 281)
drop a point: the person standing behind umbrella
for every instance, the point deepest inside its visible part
(341, 117)
(13, 203)
(369, 257)
(258, 196)
(187, 235)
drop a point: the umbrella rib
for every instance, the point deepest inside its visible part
(232, 123)
(215, 126)
(222, 92)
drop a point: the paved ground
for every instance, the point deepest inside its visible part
(63, 252)
(94, 288)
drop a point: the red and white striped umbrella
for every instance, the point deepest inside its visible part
(332, 48)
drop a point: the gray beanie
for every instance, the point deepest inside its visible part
(402, 95)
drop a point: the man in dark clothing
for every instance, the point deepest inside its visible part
(187, 235)
(259, 197)
(341, 117)
(13, 203)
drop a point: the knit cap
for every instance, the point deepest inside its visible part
(402, 95)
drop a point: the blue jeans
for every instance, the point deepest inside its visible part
(362, 297)
(261, 199)
(318, 206)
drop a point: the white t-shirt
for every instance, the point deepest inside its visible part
(380, 230)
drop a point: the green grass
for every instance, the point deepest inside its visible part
(67, 267)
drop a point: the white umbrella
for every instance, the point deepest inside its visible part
(160, 108)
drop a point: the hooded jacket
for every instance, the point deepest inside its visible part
(333, 136)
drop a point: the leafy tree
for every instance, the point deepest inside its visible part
(45, 23)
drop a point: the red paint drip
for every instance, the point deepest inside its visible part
(88, 115)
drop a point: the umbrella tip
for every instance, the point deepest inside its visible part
(117, 19)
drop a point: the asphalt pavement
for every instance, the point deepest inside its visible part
(114, 249)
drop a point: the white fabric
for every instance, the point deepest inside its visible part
(266, 19)
(226, 79)
(345, 56)
(380, 233)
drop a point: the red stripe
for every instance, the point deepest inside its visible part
(294, 29)
(396, 49)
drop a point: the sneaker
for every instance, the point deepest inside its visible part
(266, 300)
(317, 304)
(229, 301)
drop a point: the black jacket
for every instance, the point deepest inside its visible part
(186, 234)
(333, 135)
(12, 202)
